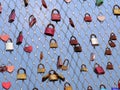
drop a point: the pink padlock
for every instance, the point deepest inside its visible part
(32, 20)
(50, 30)
(19, 39)
(0, 8)
(12, 16)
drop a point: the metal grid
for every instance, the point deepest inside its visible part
(40, 42)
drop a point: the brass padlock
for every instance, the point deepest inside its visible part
(26, 3)
(21, 76)
(65, 67)
(61, 77)
(53, 75)
(67, 86)
(53, 43)
(44, 78)
(83, 68)
(41, 69)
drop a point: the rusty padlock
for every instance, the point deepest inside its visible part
(65, 65)
(77, 48)
(108, 51)
(109, 66)
(73, 40)
(26, 2)
(113, 36)
(59, 62)
(111, 43)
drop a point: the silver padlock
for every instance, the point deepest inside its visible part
(9, 45)
(94, 40)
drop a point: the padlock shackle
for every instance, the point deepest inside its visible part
(73, 38)
(9, 40)
(41, 65)
(89, 88)
(31, 17)
(54, 72)
(53, 40)
(12, 11)
(83, 65)
(35, 88)
(116, 5)
(102, 85)
(87, 14)
(109, 63)
(20, 33)
(55, 10)
(18, 71)
(67, 83)
(77, 45)
(66, 61)
(96, 65)
(50, 24)
(93, 35)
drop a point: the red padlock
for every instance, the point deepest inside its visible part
(73, 40)
(119, 83)
(12, 16)
(50, 30)
(59, 62)
(98, 69)
(55, 16)
(19, 39)
(0, 8)
(87, 18)
(32, 20)
(28, 48)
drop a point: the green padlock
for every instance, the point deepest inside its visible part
(99, 2)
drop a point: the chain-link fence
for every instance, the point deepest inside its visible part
(34, 36)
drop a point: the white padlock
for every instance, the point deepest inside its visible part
(9, 45)
(94, 40)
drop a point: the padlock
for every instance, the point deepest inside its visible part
(0, 8)
(83, 68)
(67, 1)
(44, 4)
(41, 68)
(59, 62)
(77, 48)
(32, 20)
(89, 88)
(35, 88)
(28, 48)
(26, 2)
(73, 40)
(94, 40)
(53, 75)
(12, 16)
(92, 56)
(116, 9)
(44, 78)
(3, 68)
(65, 65)
(4, 37)
(71, 23)
(100, 17)
(87, 18)
(53, 43)
(41, 55)
(10, 68)
(119, 83)
(6, 85)
(67, 86)
(55, 15)
(99, 2)
(50, 30)
(61, 77)
(19, 38)
(113, 36)
(98, 69)
(9, 45)
(115, 88)
(111, 43)
(102, 87)
(109, 66)
(108, 51)
(21, 76)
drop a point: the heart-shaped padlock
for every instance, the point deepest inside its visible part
(4, 37)
(10, 68)
(6, 85)
(101, 17)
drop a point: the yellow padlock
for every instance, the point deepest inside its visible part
(116, 10)
(67, 86)
(21, 76)
(83, 68)
(53, 43)
(53, 75)
(41, 69)
(65, 67)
